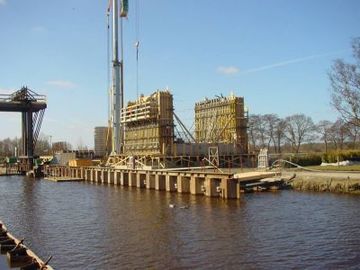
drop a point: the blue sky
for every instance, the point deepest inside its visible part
(274, 53)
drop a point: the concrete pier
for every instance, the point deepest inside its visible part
(160, 182)
(211, 184)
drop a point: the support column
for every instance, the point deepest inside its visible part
(148, 184)
(132, 179)
(171, 182)
(105, 177)
(124, 179)
(228, 188)
(150, 181)
(110, 179)
(159, 182)
(238, 193)
(183, 184)
(212, 187)
(140, 180)
(116, 178)
(196, 185)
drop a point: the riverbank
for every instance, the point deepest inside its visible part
(329, 181)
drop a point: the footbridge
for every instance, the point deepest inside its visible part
(32, 107)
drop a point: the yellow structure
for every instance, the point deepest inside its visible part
(80, 162)
(149, 125)
(102, 141)
(222, 120)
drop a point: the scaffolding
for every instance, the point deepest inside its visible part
(222, 120)
(149, 125)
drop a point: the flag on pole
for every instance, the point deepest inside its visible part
(124, 8)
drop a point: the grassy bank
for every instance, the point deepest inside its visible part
(326, 181)
(351, 168)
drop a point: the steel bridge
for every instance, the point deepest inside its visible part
(32, 107)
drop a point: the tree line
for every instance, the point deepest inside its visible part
(8, 146)
(291, 133)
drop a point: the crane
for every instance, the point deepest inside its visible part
(117, 87)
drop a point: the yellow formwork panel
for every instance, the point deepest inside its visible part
(221, 120)
(149, 124)
(80, 162)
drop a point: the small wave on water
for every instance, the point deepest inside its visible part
(91, 226)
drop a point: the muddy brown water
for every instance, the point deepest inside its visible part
(92, 226)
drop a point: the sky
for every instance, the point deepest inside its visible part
(276, 54)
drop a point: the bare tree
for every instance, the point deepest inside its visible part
(300, 128)
(42, 146)
(280, 134)
(252, 130)
(353, 133)
(7, 146)
(345, 86)
(81, 145)
(61, 146)
(339, 134)
(324, 129)
(271, 125)
(257, 131)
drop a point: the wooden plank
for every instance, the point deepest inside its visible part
(253, 175)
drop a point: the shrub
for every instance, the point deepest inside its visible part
(308, 160)
(335, 156)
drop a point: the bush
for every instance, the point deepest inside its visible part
(335, 156)
(308, 160)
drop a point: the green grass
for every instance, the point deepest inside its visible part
(336, 168)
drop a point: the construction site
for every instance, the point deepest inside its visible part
(145, 142)
(150, 140)
(147, 145)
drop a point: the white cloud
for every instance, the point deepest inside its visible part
(62, 84)
(289, 62)
(2, 2)
(227, 70)
(281, 64)
(6, 90)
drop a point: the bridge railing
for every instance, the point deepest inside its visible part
(8, 98)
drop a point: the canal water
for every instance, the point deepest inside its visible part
(92, 226)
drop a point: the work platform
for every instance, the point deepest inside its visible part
(211, 184)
